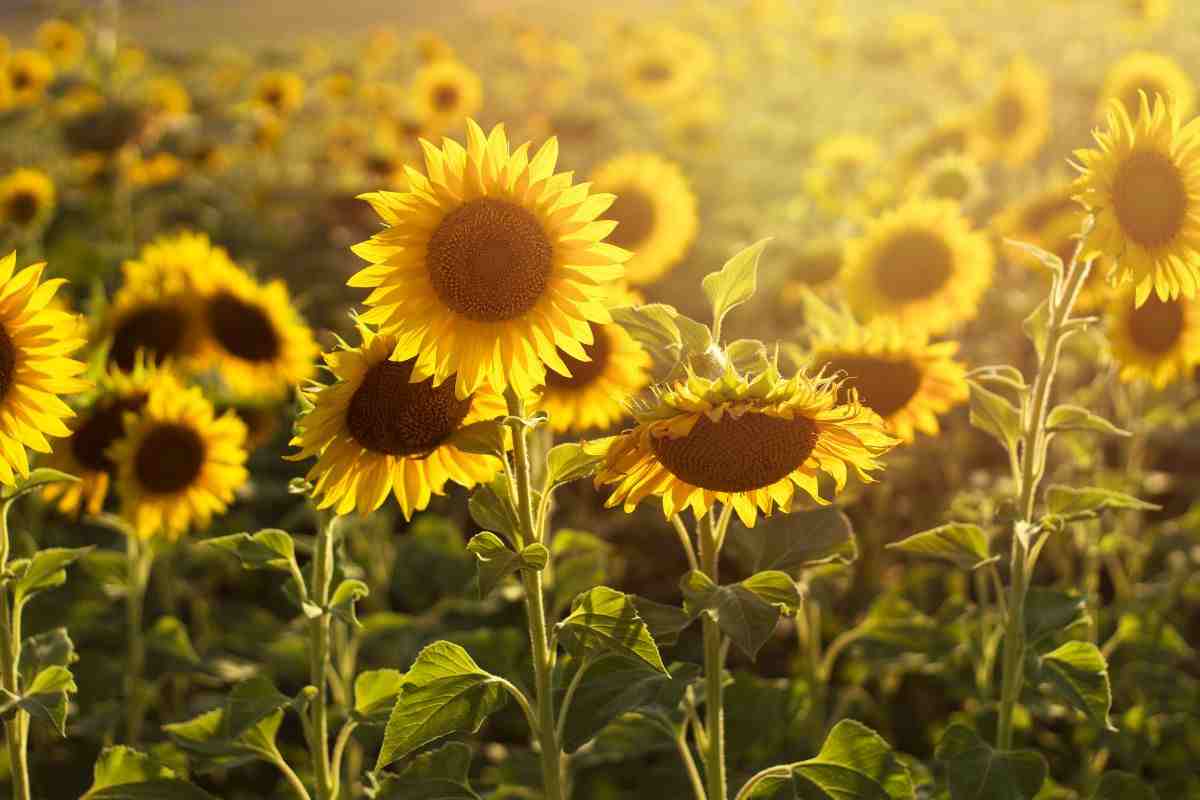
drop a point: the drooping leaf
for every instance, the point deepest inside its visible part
(605, 621)
(1069, 501)
(53, 648)
(976, 771)
(46, 569)
(491, 506)
(270, 548)
(748, 356)
(47, 697)
(36, 480)
(1036, 327)
(1047, 259)
(734, 283)
(746, 612)
(798, 541)
(250, 702)
(1079, 674)
(487, 437)
(344, 600)
(615, 686)
(995, 414)
(497, 560)
(958, 542)
(1077, 418)
(440, 774)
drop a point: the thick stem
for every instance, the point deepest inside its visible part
(714, 702)
(16, 729)
(139, 558)
(322, 580)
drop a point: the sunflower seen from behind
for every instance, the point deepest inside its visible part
(489, 265)
(921, 265)
(655, 212)
(375, 431)
(1142, 184)
(749, 441)
(1158, 341)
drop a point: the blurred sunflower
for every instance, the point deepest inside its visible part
(167, 97)
(444, 93)
(655, 212)
(1149, 73)
(376, 430)
(85, 453)
(840, 169)
(814, 265)
(921, 265)
(1142, 183)
(1158, 341)
(29, 72)
(490, 265)
(62, 41)
(26, 198)
(1028, 217)
(749, 442)
(663, 65)
(954, 133)
(1148, 11)
(279, 92)
(1015, 122)
(177, 463)
(952, 177)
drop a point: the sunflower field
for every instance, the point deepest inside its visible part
(649, 400)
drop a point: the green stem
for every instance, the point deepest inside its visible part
(140, 560)
(290, 775)
(322, 580)
(714, 702)
(17, 728)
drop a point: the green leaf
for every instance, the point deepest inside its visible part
(204, 736)
(497, 560)
(441, 774)
(734, 283)
(268, 549)
(995, 414)
(1047, 259)
(45, 570)
(1116, 785)
(172, 789)
(488, 437)
(615, 686)
(1077, 418)
(665, 622)
(53, 648)
(1079, 673)
(582, 561)
(169, 637)
(375, 694)
(975, 771)
(1049, 611)
(1069, 501)
(605, 621)
(746, 612)
(958, 542)
(444, 692)
(35, 480)
(798, 541)
(249, 703)
(898, 627)
(47, 697)
(492, 508)
(1000, 374)
(1037, 326)
(568, 462)
(653, 327)
(122, 773)
(345, 597)
(748, 356)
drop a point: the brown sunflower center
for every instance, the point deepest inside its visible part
(884, 385)
(157, 329)
(273, 97)
(1150, 198)
(8, 362)
(738, 454)
(445, 97)
(390, 414)
(1156, 326)
(23, 207)
(242, 329)
(1008, 114)
(913, 265)
(103, 426)
(170, 458)
(21, 79)
(952, 184)
(634, 213)
(654, 72)
(583, 373)
(490, 260)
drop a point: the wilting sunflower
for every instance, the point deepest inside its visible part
(664, 66)
(951, 177)
(1150, 73)
(444, 93)
(901, 376)
(177, 463)
(921, 265)
(62, 41)
(94, 430)
(655, 212)
(35, 368)
(29, 72)
(1158, 341)
(1015, 122)
(749, 442)
(490, 265)
(279, 92)
(254, 339)
(375, 430)
(26, 198)
(1143, 185)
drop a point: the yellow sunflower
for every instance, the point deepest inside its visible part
(749, 442)
(375, 430)
(1150, 73)
(901, 376)
(1158, 341)
(29, 72)
(921, 265)
(954, 133)
(1143, 185)
(1015, 122)
(35, 368)
(444, 93)
(664, 66)
(167, 97)
(62, 41)
(841, 168)
(177, 463)
(951, 177)
(279, 92)
(489, 265)
(655, 212)
(26, 198)
(84, 453)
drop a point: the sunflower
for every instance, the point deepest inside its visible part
(1158, 341)
(102, 422)
(921, 265)
(177, 463)
(444, 93)
(951, 177)
(62, 41)
(655, 211)
(1028, 218)
(1015, 122)
(489, 265)
(167, 97)
(35, 343)
(1149, 73)
(901, 376)
(26, 198)
(254, 339)
(279, 92)
(664, 66)
(1143, 185)
(1148, 11)
(375, 430)
(741, 441)
(29, 72)
(954, 133)
(841, 169)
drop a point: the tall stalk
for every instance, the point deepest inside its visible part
(16, 729)
(322, 580)
(139, 561)
(1031, 468)
(714, 666)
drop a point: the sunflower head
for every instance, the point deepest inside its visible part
(444, 93)
(1142, 184)
(957, 178)
(746, 441)
(26, 198)
(63, 42)
(1158, 341)
(1015, 122)
(663, 65)
(28, 73)
(279, 92)
(1149, 73)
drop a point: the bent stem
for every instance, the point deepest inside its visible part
(322, 580)
(16, 729)
(1031, 469)
(139, 557)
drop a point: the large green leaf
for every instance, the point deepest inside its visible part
(46, 569)
(1079, 673)
(1077, 418)
(958, 542)
(746, 612)
(249, 703)
(604, 621)
(1069, 501)
(734, 283)
(122, 773)
(995, 414)
(441, 774)
(375, 694)
(614, 686)
(1050, 611)
(797, 541)
(444, 692)
(491, 506)
(47, 697)
(976, 771)
(497, 560)
(570, 461)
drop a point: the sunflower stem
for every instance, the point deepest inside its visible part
(322, 581)
(139, 562)
(1032, 463)
(17, 728)
(714, 656)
